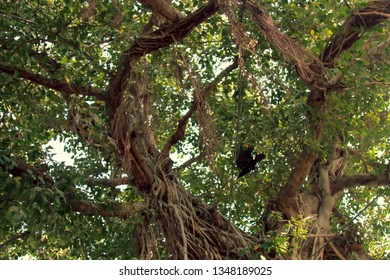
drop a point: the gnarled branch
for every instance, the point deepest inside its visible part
(375, 13)
(359, 180)
(150, 42)
(61, 86)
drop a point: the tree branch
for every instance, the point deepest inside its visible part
(312, 73)
(22, 167)
(375, 13)
(360, 180)
(109, 183)
(150, 42)
(327, 201)
(54, 84)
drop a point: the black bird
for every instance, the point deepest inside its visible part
(245, 161)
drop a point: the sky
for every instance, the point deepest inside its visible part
(59, 154)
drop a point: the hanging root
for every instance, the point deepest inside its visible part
(192, 229)
(309, 67)
(144, 239)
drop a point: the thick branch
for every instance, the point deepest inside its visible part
(109, 183)
(366, 18)
(327, 201)
(57, 85)
(361, 180)
(156, 40)
(22, 167)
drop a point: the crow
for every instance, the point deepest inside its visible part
(245, 161)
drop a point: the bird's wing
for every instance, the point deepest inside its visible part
(244, 156)
(259, 157)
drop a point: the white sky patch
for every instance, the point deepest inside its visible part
(59, 153)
